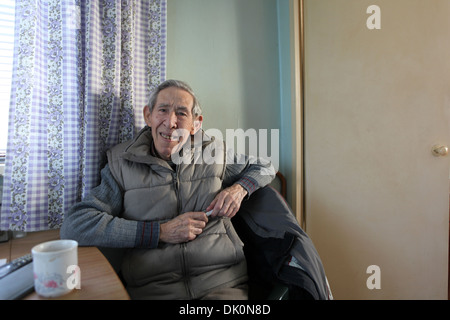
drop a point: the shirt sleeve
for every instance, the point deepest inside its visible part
(250, 172)
(96, 220)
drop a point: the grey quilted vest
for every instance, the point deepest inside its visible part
(153, 191)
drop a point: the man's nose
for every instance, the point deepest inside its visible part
(171, 120)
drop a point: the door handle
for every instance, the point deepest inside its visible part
(439, 150)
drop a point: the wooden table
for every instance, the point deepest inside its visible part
(98, 279)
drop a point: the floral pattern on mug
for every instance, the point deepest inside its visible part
(48, 284)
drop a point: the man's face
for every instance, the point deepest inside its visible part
(171, 120)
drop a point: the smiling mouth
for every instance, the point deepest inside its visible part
(170, 137)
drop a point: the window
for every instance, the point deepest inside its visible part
(7, 8)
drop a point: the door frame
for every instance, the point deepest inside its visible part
(297, 108)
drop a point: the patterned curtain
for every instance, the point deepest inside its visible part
(83, 71)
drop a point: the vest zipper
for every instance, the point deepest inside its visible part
(186, 278)
(176, 186)
(182, 245)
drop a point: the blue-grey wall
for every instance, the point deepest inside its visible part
(236, 56)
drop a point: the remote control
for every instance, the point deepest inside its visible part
(15, 264)
(19, 283)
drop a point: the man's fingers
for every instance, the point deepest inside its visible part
(185, 227)
(225, 208)
(227, 202)
(218, 203)
(197, 216)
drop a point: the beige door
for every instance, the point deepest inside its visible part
(376, 102)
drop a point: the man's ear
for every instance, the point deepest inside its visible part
(197, 125)
(147, 115)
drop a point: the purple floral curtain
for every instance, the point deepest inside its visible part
(83, 71)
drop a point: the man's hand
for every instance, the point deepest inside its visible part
(228, 201)
(184, 228)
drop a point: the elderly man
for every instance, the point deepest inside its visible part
(154, 205)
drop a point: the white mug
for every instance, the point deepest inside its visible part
(52, 262)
